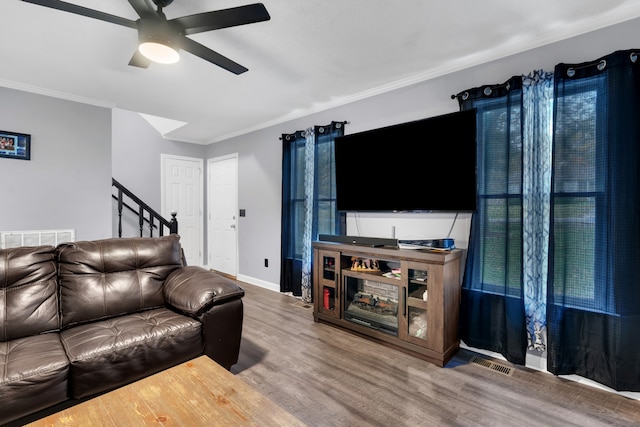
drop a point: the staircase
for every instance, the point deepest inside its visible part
(149, 222)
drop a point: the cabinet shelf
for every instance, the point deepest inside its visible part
(391, 310)
(370, 275)
(417, 303)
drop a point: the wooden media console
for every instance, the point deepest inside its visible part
(406, 299)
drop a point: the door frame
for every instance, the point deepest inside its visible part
(210, 161)
(165, 214)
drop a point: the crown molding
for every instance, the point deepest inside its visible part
(56, 94)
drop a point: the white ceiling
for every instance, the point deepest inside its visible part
(312, 54)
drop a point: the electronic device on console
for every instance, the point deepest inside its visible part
(360, 241)
(440, 244)
(434, 244)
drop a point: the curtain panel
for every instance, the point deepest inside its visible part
(554, 249)
(593, 306)
(537, 123)
(492, 313)
(308, 202)
(292, 212)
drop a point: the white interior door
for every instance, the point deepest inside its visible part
(222, 240)
(182, 192)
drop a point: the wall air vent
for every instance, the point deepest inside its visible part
(14, 239)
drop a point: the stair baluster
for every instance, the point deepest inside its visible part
(143, 209)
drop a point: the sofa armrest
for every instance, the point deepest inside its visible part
(195, 290)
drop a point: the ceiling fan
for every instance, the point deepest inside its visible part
(161, 38)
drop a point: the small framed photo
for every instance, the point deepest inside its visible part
(15, 145)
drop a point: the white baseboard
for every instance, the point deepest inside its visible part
(253, 281)
(262, 283)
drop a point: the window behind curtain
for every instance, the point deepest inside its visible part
(500, 195)
(579, 217)
(293, 190)
(297, 196)
(327, 218)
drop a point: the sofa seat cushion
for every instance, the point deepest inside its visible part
(113, 352)
(33, 375)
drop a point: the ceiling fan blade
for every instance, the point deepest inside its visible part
(142, 8)
(139, 60)
(209, 55)
(223, 18)
(84, 11)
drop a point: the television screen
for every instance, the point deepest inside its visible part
(426, 165)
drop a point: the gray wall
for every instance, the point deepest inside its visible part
(137, 148)
(69, 179)
(260, 152)
(259, 193)
(64, 184)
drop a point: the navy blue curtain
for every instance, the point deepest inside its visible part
(292, 222)
(593, 306)
(492, 315)
(308, 201)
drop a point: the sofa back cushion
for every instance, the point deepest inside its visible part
(28, 292)
(106, 278)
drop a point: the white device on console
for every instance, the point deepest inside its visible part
(440, 244)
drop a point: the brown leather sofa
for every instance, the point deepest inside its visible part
(86, 317)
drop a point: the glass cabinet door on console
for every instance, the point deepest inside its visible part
(327, 276)
(416, 311)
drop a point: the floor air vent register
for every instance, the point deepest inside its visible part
(497, 367)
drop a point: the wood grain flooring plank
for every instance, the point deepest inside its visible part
(328, 377)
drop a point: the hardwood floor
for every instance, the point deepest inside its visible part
(329, 377)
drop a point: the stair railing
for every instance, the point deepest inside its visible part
(144, 212)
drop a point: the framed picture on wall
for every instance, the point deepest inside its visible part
(15, 145)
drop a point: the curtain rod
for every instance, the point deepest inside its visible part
(487, 90)
(600, 64)
(344, 122)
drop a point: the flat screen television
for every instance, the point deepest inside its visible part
(426, 165)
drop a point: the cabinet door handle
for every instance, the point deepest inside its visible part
(404, 302)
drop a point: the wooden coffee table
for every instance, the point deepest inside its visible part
(196, 393)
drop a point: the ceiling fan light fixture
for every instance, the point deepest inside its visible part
(159, 51)
(160, 39)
